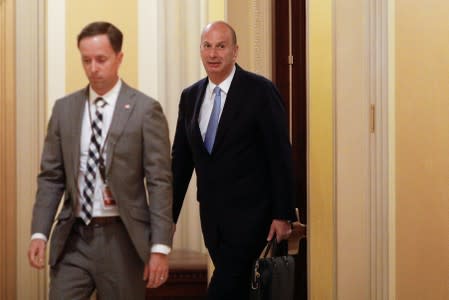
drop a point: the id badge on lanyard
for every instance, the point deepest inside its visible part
(108, 199)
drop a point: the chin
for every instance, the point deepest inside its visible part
(214, 67)
(214, 71)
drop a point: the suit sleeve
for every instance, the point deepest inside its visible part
(51, 178)
(273, 125)
(158, 175)
(182, 161)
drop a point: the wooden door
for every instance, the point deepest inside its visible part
(289, 74)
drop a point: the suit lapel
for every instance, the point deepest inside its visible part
(77, 107)
(196, 132)
(123, 108)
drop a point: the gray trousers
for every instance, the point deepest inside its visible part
(99, 258)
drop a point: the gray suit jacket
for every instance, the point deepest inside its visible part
(138, 170)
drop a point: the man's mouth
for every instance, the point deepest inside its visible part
(213, 63)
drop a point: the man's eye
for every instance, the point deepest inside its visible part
(101, 59)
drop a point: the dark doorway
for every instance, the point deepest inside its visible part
(289, 72)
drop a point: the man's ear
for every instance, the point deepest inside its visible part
(120, 56)
(236, 52)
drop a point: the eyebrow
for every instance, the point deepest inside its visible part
(220, 42)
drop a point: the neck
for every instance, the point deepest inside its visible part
(104, 89)
(219, 78)
(216, 80)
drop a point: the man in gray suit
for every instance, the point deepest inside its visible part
(107, 155)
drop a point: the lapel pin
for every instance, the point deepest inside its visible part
(127, 106)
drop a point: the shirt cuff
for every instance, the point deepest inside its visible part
(39, 236)
(156, 248)
(159, 248)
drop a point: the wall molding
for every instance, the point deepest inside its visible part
(391, 29)
(362, 150)
(30, 101)
(8, 256)
(378, 49)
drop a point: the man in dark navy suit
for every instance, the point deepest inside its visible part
(232, 130)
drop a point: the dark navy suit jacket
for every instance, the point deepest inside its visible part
(247, 180)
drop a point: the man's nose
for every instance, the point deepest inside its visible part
(93, 66)
(212, 52)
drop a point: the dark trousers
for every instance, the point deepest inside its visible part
(232, 274)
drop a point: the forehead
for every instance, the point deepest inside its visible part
(96, 42)
(216, 33)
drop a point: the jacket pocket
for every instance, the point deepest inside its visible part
(64, 214)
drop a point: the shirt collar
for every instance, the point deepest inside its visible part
(224, 85)
(110, 97)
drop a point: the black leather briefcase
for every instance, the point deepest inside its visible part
(273, 277)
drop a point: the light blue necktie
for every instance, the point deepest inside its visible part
(213, 121)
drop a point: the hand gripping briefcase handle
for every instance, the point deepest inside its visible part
(273, 277)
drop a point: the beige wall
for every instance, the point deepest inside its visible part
(252, 20)
(354, 209)
(320, 150)
(123, 14)
(422, 149)
(239, 18)
(420, 171)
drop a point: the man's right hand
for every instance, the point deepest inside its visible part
(36, 253)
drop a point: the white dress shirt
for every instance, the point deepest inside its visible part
(86, 132)
(208, 102)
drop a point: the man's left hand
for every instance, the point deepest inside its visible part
(156, 270)
(281, 229)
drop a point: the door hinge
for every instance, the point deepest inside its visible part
(290, 59)
(372, 121)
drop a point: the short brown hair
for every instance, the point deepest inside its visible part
(115, 36)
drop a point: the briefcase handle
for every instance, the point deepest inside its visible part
(277, 249)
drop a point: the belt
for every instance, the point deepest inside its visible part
(102, 221)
